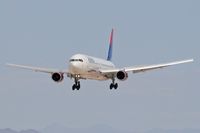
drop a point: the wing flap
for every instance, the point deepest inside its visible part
(157, 66)
(36, 69)
(114, 70)
(144, 68)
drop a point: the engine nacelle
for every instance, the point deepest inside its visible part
(122, 75)
(57, 77)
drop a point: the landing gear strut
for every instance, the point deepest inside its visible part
(77, 85)
(113, 84)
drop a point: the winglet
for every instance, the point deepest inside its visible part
(110, 46)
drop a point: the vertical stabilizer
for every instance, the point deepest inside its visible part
(110, 46)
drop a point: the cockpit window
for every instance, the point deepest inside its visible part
(80, 60)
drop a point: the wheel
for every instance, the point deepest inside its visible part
(116, 86)
(78, 86)
(111, 86)
(73, 87)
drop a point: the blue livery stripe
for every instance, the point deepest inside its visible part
(110, 46)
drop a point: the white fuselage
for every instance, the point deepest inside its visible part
(88, 67)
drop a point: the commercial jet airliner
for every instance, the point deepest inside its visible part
(87, 67)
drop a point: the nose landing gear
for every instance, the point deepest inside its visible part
(77, 85)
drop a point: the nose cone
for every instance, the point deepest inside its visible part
(75, 67)
(76, 63)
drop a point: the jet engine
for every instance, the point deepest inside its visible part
(57, 77)
(122, 75)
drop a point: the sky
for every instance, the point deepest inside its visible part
(47, 33)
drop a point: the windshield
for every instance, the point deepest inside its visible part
(79, 60)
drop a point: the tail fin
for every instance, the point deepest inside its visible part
(110, 46)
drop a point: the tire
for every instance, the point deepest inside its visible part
(111, 86)
(73, 87)
(78, 87)
(116, 86)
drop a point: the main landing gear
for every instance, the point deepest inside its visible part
(113, 84)
(77, 85)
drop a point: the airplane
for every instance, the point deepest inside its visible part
(87, 67)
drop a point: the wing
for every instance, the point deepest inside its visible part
(37, 69)
(144, 68)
